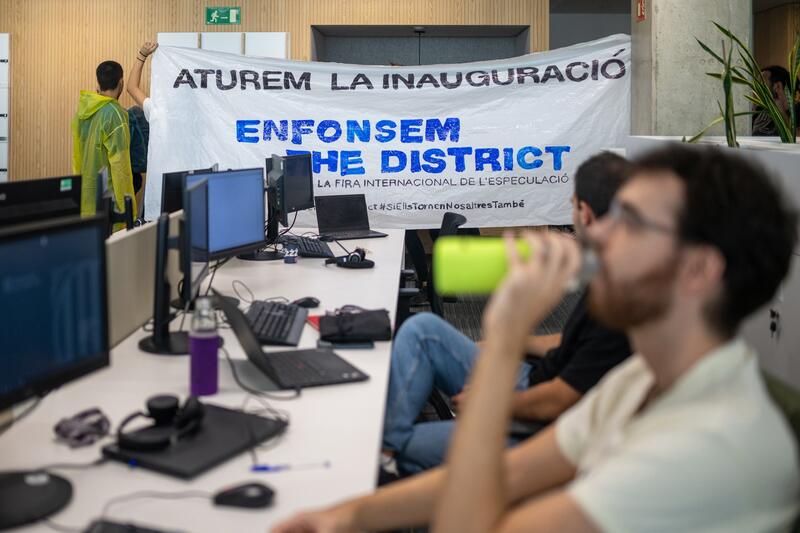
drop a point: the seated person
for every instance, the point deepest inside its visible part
(428, 352)
(682, 436)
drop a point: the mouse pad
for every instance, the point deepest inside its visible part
(224, 434)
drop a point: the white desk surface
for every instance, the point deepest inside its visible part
(341, 423)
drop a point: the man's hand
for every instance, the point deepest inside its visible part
(147, 49)
(334, 520)
(531, 288)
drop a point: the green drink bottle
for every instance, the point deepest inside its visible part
(477, 265)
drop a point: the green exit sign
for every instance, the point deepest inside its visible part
(223, 15)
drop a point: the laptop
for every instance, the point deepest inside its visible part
(224, 434)
(344, 216)
(292, 370)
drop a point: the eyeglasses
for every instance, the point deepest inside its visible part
(629, 217)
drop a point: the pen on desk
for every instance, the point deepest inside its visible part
(286, 466)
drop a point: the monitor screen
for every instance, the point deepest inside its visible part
(298, 183)
(194, 243)
(172, 188)
(342, 212)
(32, 200)
(235, 210)
(52, 305)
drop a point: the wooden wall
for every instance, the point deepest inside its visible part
(774, 32)
(56, 45)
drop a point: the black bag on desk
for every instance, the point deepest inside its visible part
(365, 325)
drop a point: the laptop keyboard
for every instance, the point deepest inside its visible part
(293, 370)
(272, 321)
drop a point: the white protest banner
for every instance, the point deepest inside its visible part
(497, 141)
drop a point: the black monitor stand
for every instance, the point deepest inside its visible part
(162, 341)
(272, 232)
(30, 496)
(114, 216)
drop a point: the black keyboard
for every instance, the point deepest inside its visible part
(277, 323)
(308, 247)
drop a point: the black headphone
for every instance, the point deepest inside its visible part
(172, 422)
(354, 259)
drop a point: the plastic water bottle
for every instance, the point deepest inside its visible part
(203, 349)
(477, 265)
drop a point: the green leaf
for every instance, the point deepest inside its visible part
(702, 132)
(709, 50)
(742, 48)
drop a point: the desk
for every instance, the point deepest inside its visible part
(341, 424)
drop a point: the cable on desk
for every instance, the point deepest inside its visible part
(287, 230)
(16, 419)
(239, 295)
(211, 279)
(154, 494)
(74, 466)
(254, 392)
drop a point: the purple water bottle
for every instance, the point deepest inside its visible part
(203, 347)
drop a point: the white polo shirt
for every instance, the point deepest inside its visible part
(711, 454)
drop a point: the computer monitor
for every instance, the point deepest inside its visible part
(55, 330)
(192, 245)
(172, 188)
(235, 211)
(194, 248)
(293, 182)
(32, 200)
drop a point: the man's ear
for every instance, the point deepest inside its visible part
(585, 213)
(704, 268)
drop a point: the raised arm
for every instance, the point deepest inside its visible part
(477, 492)
(531, 468)
(135, 79)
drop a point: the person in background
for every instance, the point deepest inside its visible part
(428, 351)
(101, 140)
(777, 78)
(135, 79)
(143, 111)
(683, 436)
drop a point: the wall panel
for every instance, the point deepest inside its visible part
(774, 33)
(56, 45)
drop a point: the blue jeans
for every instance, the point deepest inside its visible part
(427, 352)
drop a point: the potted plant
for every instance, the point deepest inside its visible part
(761, 95)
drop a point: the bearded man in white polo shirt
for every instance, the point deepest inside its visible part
(681, 437)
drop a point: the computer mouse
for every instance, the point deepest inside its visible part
(250, 495)
(309, 302)
(326, 238)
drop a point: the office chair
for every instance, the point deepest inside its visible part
(450, 224)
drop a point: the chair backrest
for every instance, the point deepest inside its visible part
(788, 401)
(450, 223)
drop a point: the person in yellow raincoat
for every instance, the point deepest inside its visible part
(101, 140)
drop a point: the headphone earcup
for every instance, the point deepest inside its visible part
(163, 408)
(190, 417)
